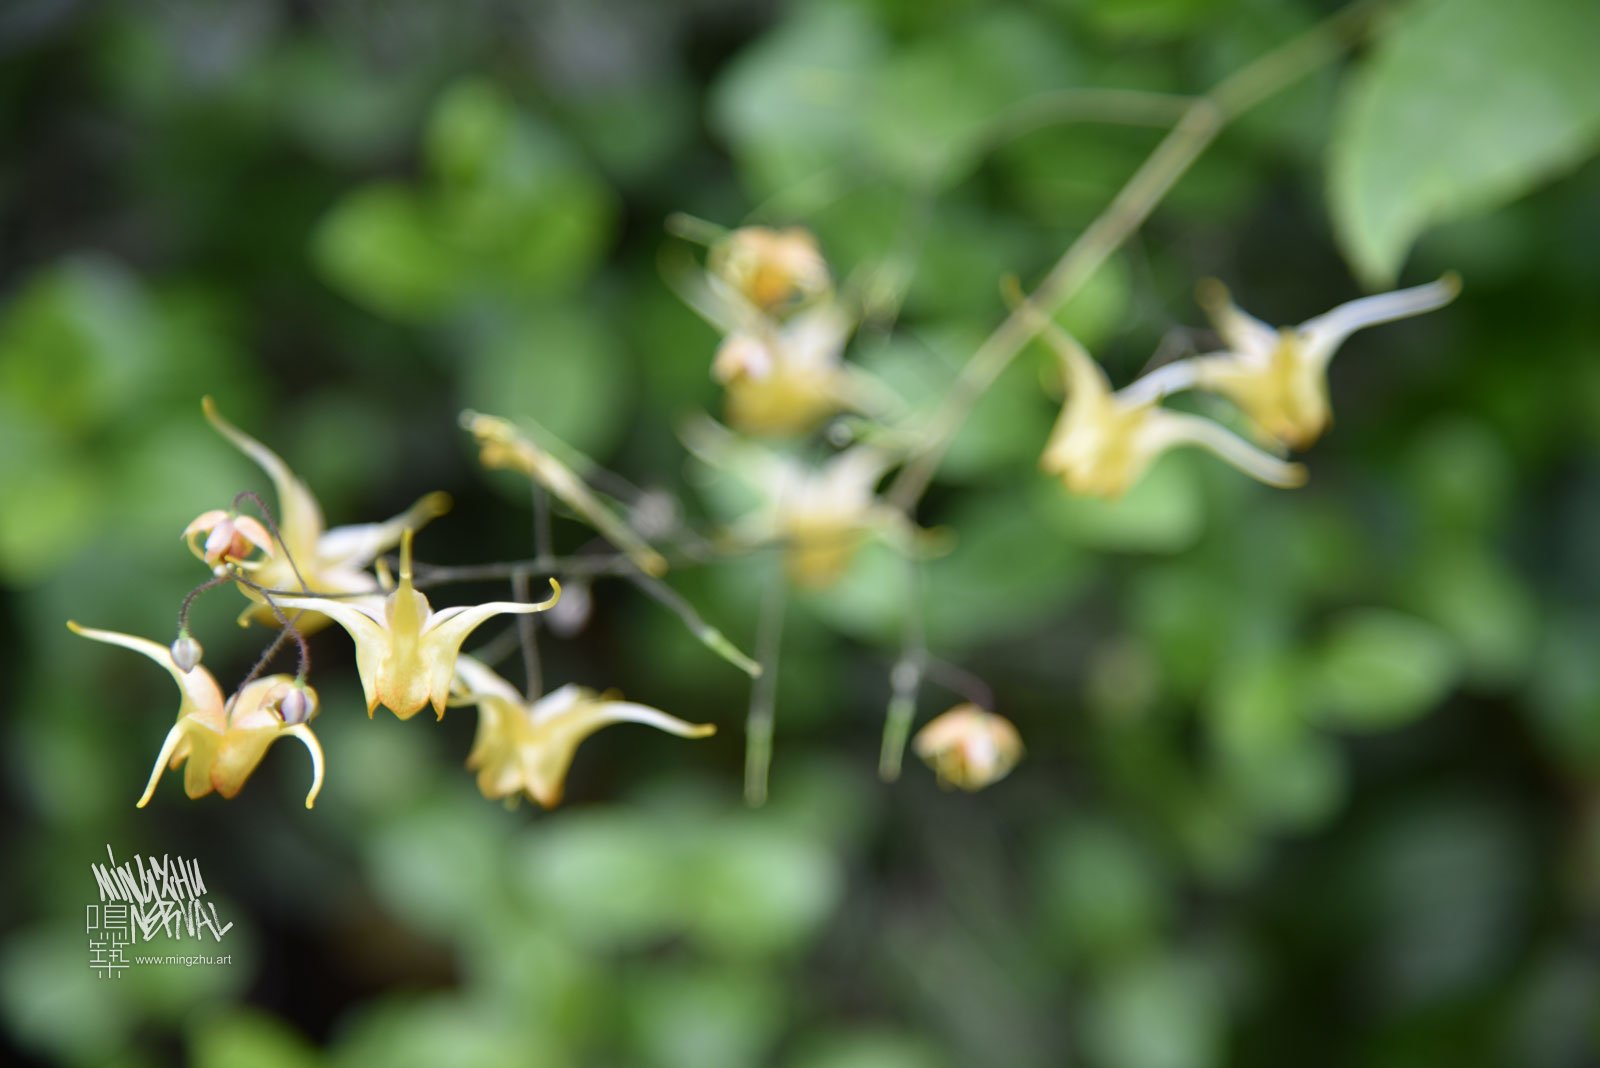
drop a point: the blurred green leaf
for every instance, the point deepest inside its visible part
(1479, 602)
(1377, 669)
(558, 367)
(1465, 104)
(791, 102)
(246, 1039)
(868, 1049)
(687, 1017)
(77, 343)
(1102, 895)
(757, 888)
(1156, 1013)
(611, 876)
(380, 245)
(935, 101)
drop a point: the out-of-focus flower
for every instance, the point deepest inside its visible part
(969, 747)
(501, 445)
(405, 651)
(528, 747)
(820, 515)
(219, 743)
(1280, 377)
(230, 537)
(786, 378)
(1104, 441)
(318, 561)
(770, 268)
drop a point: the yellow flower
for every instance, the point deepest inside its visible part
(1104, 441)
(969, 747)
(1280, 377)
(770, 268)
(405, 651)
(329, 561)
(523, 747)
(221, 742)
(785, 379)
(501, 445)
(820, 515)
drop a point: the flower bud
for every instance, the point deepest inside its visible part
(570, 614)
(186, 653)
(969, 747)
(296, 706)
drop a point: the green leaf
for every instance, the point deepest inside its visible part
(381, 248)
(1378, 669)
(607, 877)
(1465, 104)
(758, 888)
(247, 1039)
(1159, 1013)
(558, 367)
(790, 103)
(1102, 895)
(685, 1016)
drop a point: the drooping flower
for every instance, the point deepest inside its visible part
(405, 651)
(969, 747)
(501, 445)
(318, 561)
(527, 747)
(219, 743)
(770, 268)
(1280, 377)
(230, 537)
(1104, 441)
(786, 378)
(820, 515)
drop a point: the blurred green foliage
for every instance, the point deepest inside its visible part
(1312, 777)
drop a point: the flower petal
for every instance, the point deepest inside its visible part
(1168, 429)
(1248, 337)
(174, 736)
(360, 621)
(356, 546)
(546, 759)
(480, 680)
(202, 697)
(442, 635)
(314, 747)
(1326, 332)
(299, 518)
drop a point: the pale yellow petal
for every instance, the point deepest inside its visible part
(314, 747)
(202, 697)
(357, 546)
(1167, 429)
(171, 743)
(299, 517)
(1244, 334)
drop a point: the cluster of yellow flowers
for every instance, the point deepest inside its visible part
(781, 361)
(1104, 440)
(303, 576)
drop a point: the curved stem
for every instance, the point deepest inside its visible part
(1201, 121)
(764, 693)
